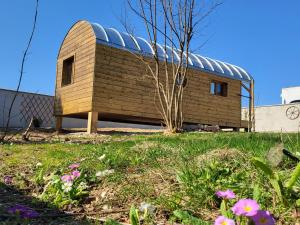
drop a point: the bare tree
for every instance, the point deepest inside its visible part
(173, 23)
(2, 137)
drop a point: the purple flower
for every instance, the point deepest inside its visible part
(74, 166)
(7, 180)
(23, 211)
(76, 173)
(222, 220)
(245, 207)
(228, 194)
(67, 178)
(263, 218)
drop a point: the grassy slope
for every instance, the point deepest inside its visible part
(171, 172)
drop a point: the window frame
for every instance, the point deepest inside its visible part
(73, 55)
(223, 88)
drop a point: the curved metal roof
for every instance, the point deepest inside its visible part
(112, 37)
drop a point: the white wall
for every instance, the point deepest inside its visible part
(274, 119)
(290, 94)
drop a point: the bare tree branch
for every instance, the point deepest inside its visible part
(174, 22)
(21, 72)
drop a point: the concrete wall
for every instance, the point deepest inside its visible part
(274, 118)
(28, 105)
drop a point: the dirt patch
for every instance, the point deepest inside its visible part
(135, 188)
(77, 135)
(145, 145)
(221, 155)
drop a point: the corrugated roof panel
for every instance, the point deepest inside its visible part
(184, 59)
(196, 61)
(217, 67)
(235, 71)
(114, 37)
(130, 41)
(189, 59)
(207, 65)
(125, 41)
(99, 32)
(144, 46)
(171, 53)
(245, 75)
(161, 52)
(225, 68)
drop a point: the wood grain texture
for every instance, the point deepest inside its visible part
(92, 122)
(76, 97)
(115, 83)
(122, 86)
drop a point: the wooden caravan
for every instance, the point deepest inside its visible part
(100, 79)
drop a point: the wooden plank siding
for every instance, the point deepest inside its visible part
(122, 87)
(77, 96)
(114, 83)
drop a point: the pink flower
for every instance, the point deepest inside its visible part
(228, 194)
(76, 173)
(67, 178)
(74, 166)
(222, 220)
(245, 207)
(263, 218)
(7, 180)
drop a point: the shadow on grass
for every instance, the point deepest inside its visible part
(10, 197)
(43, 135)
(115, 131)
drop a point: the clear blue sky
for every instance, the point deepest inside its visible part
(261, 36)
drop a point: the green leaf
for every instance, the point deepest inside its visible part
(188, 219)
(263, 167)
(272, 176)
(223, 208)
(111, 222)
(82, 193)
(294, 177)
(256, 193)
(39, 178)
(134, 216)
(277, 187)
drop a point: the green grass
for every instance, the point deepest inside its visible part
(179, 172)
